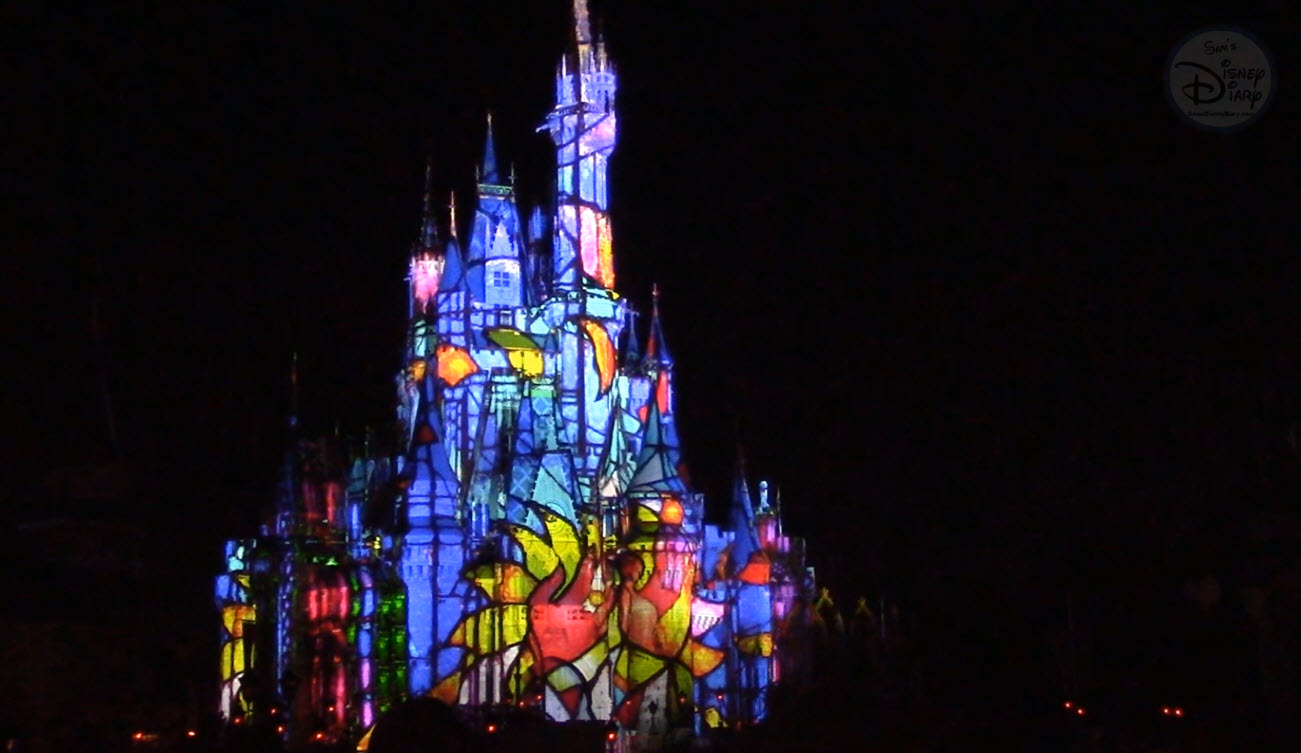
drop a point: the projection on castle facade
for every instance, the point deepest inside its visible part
(534, 541)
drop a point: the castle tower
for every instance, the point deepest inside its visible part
(493, 265)
(583, 128)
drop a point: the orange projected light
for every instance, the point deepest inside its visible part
(604, 355)
(454, 364)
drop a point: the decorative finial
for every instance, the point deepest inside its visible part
(451, 206)
(293, 390)
(429, 181)
(512, 173)
(489, 175)
(428, 225)
(655, 299)
(582, 29)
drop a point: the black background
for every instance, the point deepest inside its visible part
(999, 324)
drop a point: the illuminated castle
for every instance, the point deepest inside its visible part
(533, 541)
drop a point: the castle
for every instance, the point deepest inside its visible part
(532, 540)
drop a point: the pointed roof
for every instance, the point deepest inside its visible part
(657, 463)
(429, 454)
(287, 486)
(657, 351)
(453, 278)
(741, 519)
(632, 351)
(542, 468)
(488, 173)
(523, 463)
(293, 395)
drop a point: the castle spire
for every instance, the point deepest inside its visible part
(451, 207)
(745, 541)
(582, 28)
(293, 392)
(657, 352)
(428, 225)
(488, 174)
(659, 459)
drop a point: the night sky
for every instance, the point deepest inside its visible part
(999, 324)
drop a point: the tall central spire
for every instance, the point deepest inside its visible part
(583, 128)
(582, 29)
(488, 173)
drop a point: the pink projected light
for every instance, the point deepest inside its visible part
(426, 273)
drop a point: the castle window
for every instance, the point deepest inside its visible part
(500, 278)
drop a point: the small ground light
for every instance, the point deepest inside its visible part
(280, 729)
(492, 728)
(191, 733)
(319, 736)
(1179, 712)
(1080, 711)
(138, 736)
(1165, 710)
(1068, 705)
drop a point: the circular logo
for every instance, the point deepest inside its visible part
(1220, 79)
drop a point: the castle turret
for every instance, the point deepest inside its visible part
(493, 263)
(583, 128)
